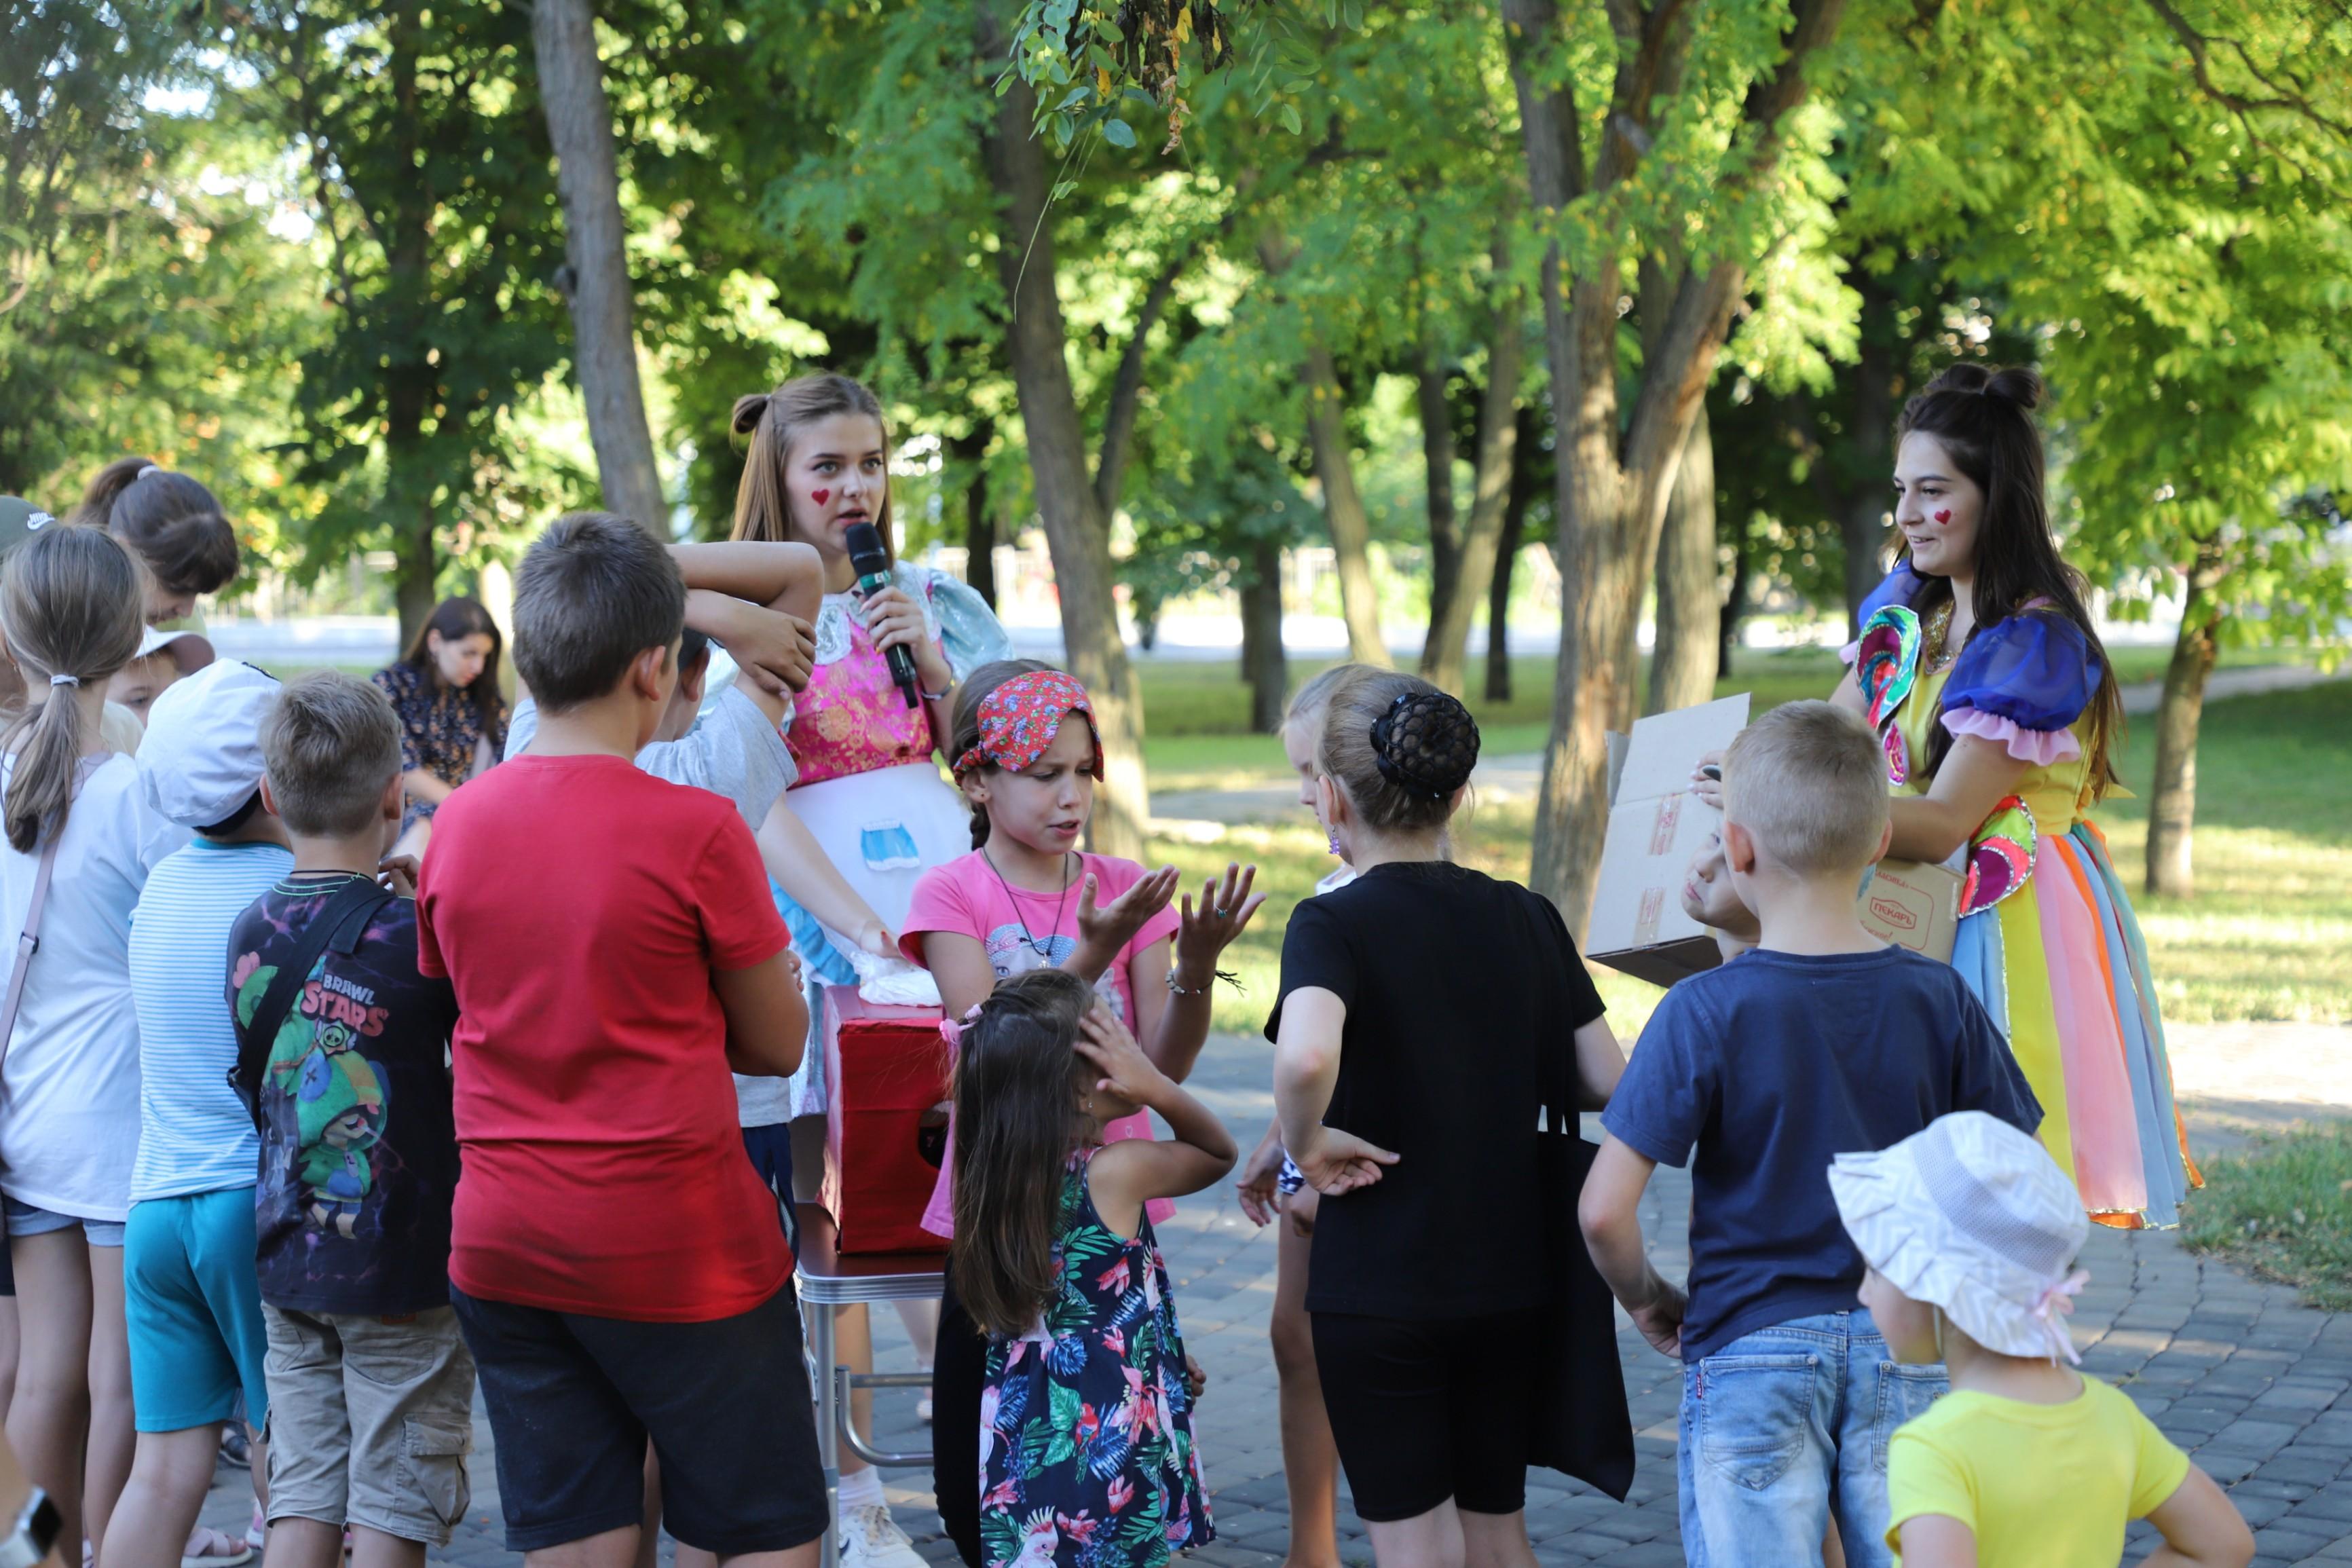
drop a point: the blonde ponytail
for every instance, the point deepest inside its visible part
(70, 598)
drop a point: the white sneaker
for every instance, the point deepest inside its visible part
(870, 1538)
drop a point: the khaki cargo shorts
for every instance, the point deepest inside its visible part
(370, 1421)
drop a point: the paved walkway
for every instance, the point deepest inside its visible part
(2259, 1388)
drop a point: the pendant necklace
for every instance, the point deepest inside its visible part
(1029, 938)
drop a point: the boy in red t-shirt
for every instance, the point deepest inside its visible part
(616, 1262)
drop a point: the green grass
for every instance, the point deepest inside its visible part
(2269, 935)
(2284, 1210)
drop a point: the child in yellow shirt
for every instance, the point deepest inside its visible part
(1971, 1231)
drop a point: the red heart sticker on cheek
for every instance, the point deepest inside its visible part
(1943, 516)
(820, 497)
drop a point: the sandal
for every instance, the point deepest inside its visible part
(210, 1548)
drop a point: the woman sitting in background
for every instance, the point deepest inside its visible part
(452, 719)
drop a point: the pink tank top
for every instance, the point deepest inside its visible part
(852, 718)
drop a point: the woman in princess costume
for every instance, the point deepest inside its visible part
(869, 811)
(1980, 668)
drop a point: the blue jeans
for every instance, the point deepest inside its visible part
(1780, 1426)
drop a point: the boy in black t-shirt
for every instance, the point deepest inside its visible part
(1821, 1041)
(371, 1388)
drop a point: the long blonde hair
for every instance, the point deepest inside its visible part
(763, 509)
(72, 599)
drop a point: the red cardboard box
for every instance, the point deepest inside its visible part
(885, 1074)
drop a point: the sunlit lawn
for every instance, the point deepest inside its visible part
(2269, 935)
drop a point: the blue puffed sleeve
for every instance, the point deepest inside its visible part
(1901, 586)
(2032, 673)
(969, 630)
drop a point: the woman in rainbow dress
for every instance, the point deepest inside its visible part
(1980, 668)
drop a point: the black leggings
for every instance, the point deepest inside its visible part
(958, 1373)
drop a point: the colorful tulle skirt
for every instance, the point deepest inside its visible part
(2062, 968)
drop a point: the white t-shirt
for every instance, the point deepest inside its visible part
(69, 1109)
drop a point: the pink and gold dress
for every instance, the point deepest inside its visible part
(2047, 938)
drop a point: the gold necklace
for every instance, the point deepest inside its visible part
(1932, 653)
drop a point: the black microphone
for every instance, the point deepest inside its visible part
(872, 564)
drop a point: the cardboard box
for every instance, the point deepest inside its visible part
(1912, 905)
(1655, 825)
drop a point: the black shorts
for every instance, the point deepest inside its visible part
(1427, 1411)
(769, 1147)
(573, 1400)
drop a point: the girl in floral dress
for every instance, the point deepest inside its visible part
(1086, 1452)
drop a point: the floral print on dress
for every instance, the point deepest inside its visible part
(1087, 1457)
(439, 728)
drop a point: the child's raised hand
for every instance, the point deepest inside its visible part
(1110, 927)
(1127, 1072)
(1226, 907)
(1706, 780)
(399, 873)
(1341, 1161)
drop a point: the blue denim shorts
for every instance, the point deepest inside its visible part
(1777, 1424)
(24, 1219)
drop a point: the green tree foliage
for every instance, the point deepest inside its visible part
(144, 306)
(425, 159)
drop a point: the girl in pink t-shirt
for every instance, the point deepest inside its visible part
(1027, 758)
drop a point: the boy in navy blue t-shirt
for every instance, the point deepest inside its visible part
(1822, 1041)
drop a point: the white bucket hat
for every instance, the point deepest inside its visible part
(202, 757)
(1973, 1217)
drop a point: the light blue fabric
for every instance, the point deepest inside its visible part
(1977, 954)
(969, 630)
(24, 1219)
(194, 1133)
(1778, 1423)
(193, 1306)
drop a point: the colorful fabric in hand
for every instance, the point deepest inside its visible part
(2001, 855)
(1018, 720)
(1887, 662)
(1086, 1454)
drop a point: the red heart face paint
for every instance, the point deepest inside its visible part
(820, 497)
(1943, 516)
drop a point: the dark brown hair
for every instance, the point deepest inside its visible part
(593, 593)
(70, 597)
(963, 722)
(1400, 747)
(457, 620)
(764, 508)
(1984, 418)
(170, 520)
(331, 746)
(1017, 1075)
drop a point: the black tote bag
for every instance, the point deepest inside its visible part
(1583, 1427)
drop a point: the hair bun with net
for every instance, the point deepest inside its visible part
(1426, 744)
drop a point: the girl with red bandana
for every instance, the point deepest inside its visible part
(1027, 758)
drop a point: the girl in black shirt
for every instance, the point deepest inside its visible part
(1420, 1007)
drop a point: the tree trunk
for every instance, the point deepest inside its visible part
(1076, 532)
(1442, 655)
(1437, 480)
(979, 523)
(1690, 616)
(1343, 507)
(1734, 600)
(1268, 666)
(605, 343)
(1616, 464)
(1864, 519)
(1498, 607)
(2172, 805)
